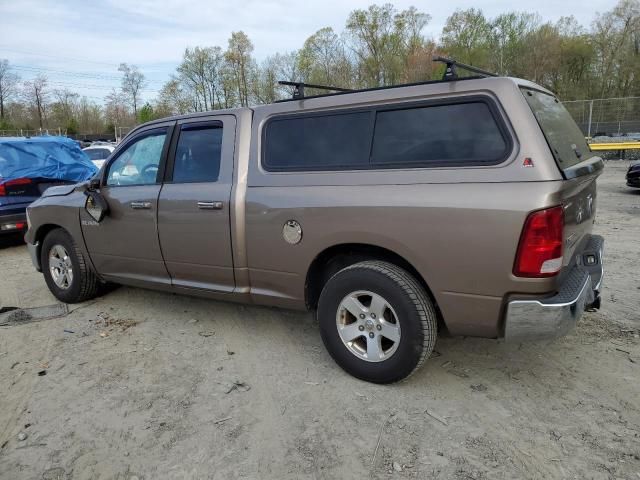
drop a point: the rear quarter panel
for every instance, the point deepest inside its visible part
(459, 227)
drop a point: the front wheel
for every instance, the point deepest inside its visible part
(377, 321)
(65, 269)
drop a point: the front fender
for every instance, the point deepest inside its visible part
(57, 211)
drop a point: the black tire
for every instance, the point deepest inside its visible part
(84, 284)
(409, 301)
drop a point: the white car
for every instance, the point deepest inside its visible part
(98, 153)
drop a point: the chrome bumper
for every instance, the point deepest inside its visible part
(34, 253)
(552, 317)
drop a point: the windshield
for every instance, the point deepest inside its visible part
(564, 137)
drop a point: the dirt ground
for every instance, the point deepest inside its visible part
(146, 385)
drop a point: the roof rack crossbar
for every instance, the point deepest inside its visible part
(298, 91)
(451, 70)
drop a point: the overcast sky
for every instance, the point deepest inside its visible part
(78, 44)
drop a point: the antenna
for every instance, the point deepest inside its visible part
(298, 91)
(451, 70)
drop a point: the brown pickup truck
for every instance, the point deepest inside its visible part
(465, 204)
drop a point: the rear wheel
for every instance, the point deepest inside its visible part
(377, 321)
(65, 269)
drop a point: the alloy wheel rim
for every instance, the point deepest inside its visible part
(60, 267)
(368, 326)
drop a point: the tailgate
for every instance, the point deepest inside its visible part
(579, 200)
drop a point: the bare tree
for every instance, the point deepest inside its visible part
(37, 95)
(133, 82)
(116, 111)
(8, 85)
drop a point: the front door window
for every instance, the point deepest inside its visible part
(138, 163)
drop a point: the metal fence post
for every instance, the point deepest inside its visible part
(590, 116)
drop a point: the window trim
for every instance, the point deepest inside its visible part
(168, 131)
(490, 102)
(171, 158)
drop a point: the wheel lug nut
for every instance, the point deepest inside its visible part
(371, 334)
(362, 316)
(379, 327)
(373, 315)
(361, 327)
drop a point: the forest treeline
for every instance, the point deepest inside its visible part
(378, 46)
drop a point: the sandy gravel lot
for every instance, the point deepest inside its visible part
(145, 385)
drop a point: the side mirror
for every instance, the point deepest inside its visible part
(94, 184)
(96, 206)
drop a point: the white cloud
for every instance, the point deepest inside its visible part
(154, 34)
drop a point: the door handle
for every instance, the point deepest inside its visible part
(140, 205)
(210, 205)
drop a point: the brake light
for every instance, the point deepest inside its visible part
(541, 244)
(11, 183)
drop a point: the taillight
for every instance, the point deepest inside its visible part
(541, 244)
(11, 183)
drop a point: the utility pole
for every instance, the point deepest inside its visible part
(590, 116)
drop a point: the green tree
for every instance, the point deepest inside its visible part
(72, 127)
(238, 57)
(146, 113)
(383, 41)
(323, 60)
(467, 37)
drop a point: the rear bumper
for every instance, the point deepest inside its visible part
(552, 317)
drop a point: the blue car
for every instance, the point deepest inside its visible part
(28, 166)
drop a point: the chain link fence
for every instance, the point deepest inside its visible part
(23, 132)
(117, 135)
(607, 117)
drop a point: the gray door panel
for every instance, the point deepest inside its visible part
(196, 241)
(193, 216)
(125, 244)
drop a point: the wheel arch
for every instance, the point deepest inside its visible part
(39, 236)
(336, 257)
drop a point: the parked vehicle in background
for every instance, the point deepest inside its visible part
(468, 202)
(633, 175)
(98, 152)
(28, 166)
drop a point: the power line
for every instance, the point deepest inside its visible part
(83, 60)
(97, 76)
(93, 86)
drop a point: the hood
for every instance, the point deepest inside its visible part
(61, 190)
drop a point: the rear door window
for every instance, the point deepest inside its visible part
(198, 154)
(565, 139)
